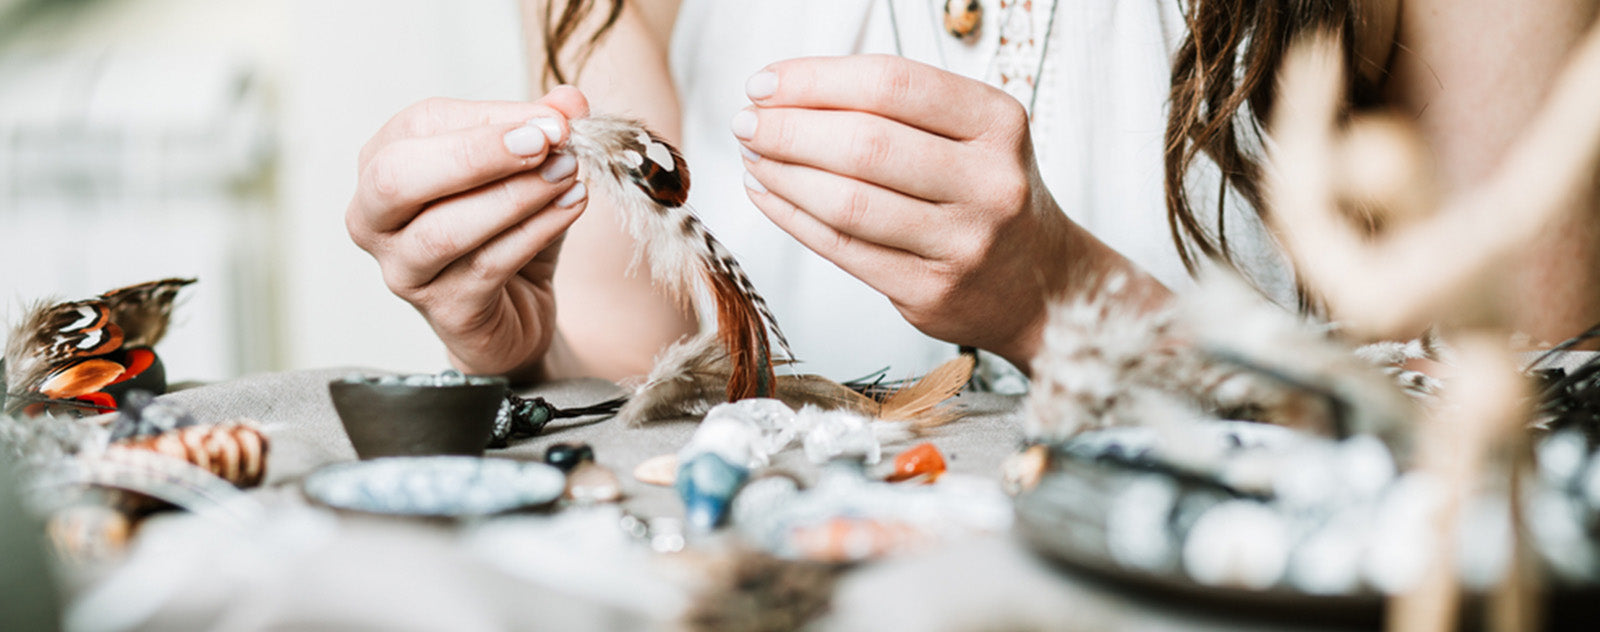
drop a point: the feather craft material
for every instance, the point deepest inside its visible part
(647, 179)
(66, 353)
(923, 402)
(37, 442)
(1222, 351)
(691, 376)
(687, 379)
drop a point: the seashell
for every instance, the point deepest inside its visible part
(591, 482)
(1021, 471)
(234, 451)
(658, 470)
(86, 533)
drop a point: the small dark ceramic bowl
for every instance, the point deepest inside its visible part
(418, 415)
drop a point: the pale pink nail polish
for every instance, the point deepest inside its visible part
(744, 124)
(525, 141)
(573, 196)
(550, 126)
(761, 85)
(750, 182)
(558, 167)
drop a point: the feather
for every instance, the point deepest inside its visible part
(64, 353)
(687, 379)
(1221, 351)
(80, 378)
(649, 181)
(920, 402)
(36, 442)
(51, 335)
(143, 311)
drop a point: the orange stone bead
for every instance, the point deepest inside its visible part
(922, 462)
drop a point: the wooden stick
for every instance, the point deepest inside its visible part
(1400, 283)
(1483, 409)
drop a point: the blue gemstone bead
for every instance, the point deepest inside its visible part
(707, 483)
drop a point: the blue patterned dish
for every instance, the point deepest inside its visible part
(435, 485)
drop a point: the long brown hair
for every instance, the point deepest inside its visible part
(1223, 87)
(559, 31)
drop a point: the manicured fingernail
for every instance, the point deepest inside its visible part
(744, 124)
(550, 126)
(761, 85)
(748, 154)
(573, 196)
(558, 167)
(525, 141)
(750, 182)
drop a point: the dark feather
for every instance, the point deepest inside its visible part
(143, 311)
(59, 353)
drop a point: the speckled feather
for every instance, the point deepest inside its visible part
(1220, 351)
(649, 182)
(53, 349)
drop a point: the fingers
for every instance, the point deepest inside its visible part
(858, 144)
(851, 207)
(409, 173)
(871, 262)
(454, 228)
(913, 93)
(489, 267)
(438, 115)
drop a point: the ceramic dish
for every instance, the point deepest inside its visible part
(418, 415)
(1269, 521)
(435, 485)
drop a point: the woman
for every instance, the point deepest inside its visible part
(918, 181)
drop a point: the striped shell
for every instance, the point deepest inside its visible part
(234, 451)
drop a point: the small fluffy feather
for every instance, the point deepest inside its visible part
(688, 377)
(45, 439)
(1221, 351)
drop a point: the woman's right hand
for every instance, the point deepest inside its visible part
(464, 205)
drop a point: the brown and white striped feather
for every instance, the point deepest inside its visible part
(144, 311)
(649, 182)
(49, 336)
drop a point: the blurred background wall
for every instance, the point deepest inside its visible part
(142, 139)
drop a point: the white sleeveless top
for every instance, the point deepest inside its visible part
(1099, 117)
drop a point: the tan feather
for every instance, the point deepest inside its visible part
(688, 380)
(921, 401)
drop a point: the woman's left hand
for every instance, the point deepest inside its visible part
(921, 183)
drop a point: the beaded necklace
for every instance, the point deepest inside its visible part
(1019, 61)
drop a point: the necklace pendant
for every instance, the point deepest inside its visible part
(962, 17)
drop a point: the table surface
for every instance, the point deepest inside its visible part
(306, 566)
